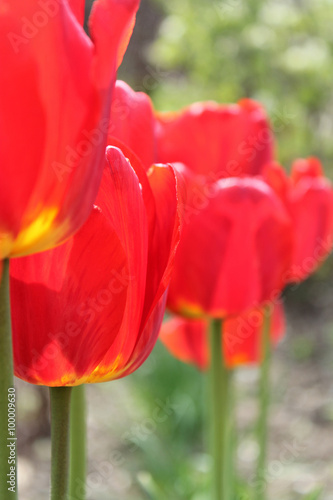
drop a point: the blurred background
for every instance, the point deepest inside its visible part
(146, 434)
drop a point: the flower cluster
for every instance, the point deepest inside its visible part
(111, 211)
(249, 229)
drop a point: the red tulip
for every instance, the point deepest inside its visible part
(308, 195)
(235, 250)
(90, 309)
(216, 141)
(187, 339)
(55, 88)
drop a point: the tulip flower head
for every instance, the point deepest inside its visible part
(187, 339)
(234, 253)
(216, 141)
(56, 86)
(90, 310)
(308, 196)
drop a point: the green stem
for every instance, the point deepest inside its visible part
(7, 395)
(219, 389)
(60, 411)
(264, 393)
(231, 442)
(78, 431)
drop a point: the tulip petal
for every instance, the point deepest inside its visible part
(132, 122)
(276, 177)
(47, 184)
(43, 90)
(195, 135)
(123, 203)
(111, 24)
(77, 7)
(168, 190)
(139, 169)
(310, 167)
(148, 337)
